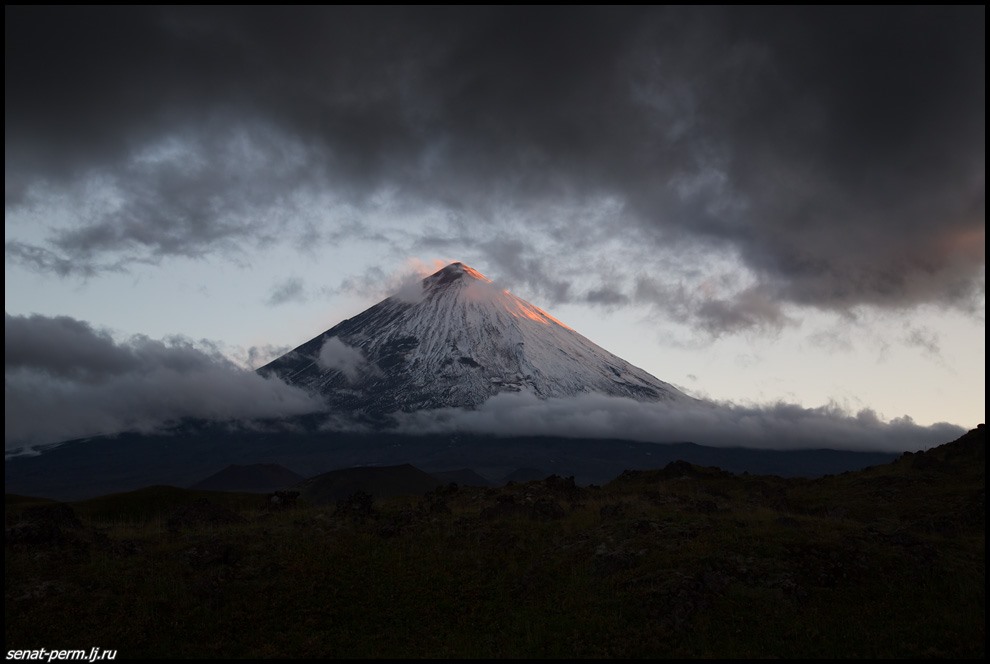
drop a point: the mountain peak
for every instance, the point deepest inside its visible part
(461, 341)
(453, 272)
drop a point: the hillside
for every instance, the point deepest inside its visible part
(111, 464)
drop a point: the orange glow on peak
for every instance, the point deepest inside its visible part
(470, 271)
(522, 309)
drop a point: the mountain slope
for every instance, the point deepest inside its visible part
(252, 478)
(454, 342)
(376, 481)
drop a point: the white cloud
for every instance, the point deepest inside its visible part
(337, 355)
(65, 380)
(773, 426)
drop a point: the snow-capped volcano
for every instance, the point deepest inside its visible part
(456, 341)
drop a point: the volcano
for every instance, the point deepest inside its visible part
(452, 341)
(455, 340)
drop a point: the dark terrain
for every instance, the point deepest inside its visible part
(194, 451)
(680, 562)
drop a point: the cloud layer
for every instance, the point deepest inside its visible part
(719, 164)
(776, 426)
(336, 355)
(63, 379)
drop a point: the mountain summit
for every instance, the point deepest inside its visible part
(455, 339)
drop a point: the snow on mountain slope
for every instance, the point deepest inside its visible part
(455, 343)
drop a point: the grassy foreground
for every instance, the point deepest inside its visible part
(683, 562)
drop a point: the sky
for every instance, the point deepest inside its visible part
(779, 209)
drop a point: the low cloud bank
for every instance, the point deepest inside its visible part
(774, 426)
(63, 379)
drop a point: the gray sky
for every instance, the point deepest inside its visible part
(748, 182)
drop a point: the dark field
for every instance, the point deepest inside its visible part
(685, 562)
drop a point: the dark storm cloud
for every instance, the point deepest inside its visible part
(46, 260)
(62, 347)
(188, 194)
(513, 257)
(63, 379)
(837, 153)
(751, 308)
(606, 295)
